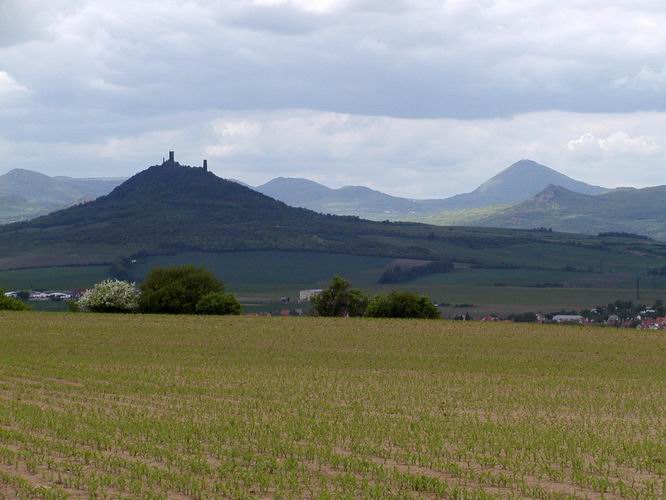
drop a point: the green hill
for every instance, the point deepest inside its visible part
(170, 208)
(639, 211)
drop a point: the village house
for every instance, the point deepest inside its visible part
(652, 324)
(613, 320)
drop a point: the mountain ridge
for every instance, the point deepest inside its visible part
(512, 185)
(40, 194)
(632, 210)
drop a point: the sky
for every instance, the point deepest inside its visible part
(417, 98)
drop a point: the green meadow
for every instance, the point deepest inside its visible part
(191, 407)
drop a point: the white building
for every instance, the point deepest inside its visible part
(568, 318)
(306, 295)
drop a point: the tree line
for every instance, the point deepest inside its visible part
(341, 300)
(174, 290)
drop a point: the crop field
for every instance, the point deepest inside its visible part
(190, 407)
(53, 278)
(270, 269)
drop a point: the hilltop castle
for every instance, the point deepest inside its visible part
(172, 161)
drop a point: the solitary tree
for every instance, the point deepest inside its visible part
(402, 305)
(110, 296)
(339, 299)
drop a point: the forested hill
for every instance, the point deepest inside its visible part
(171, 207)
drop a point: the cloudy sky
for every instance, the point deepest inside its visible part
(421, 98)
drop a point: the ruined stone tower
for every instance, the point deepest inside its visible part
(205, 166)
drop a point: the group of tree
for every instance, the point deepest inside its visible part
(400, 274)
(340, 299)
(175, 290)
(11, 303)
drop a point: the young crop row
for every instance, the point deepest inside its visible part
(111, 407)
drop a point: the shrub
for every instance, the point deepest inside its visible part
(217, 303)
(11, 304)
(528, 317)
(110, 296)
(177, 290)
(402, 305)
(339, 299)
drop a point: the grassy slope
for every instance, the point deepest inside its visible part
(134, 406)
(633, 210)
(458, 217)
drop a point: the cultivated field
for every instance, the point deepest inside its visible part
(113, 406)
(260, 279)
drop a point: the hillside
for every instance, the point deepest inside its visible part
(171, 209)
(515, 184)
(25, 194)
(638, 211)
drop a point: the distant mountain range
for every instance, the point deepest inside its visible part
(516, 184)
(25, 194)
(349, 200)
(526, 195)
(175, 209)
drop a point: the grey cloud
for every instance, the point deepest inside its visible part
(101, 73)
(277, 19)
(427, 61)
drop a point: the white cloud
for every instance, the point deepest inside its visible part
(316, 6)
(616, 143)
(10, 88)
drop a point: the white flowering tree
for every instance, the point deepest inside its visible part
(110, 296)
